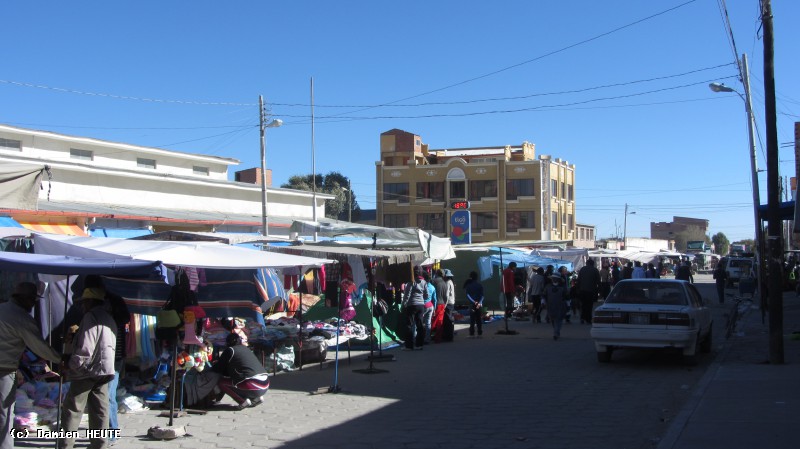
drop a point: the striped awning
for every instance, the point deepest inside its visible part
(54, 228)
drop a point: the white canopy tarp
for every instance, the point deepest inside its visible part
(438, 248)
(19, 186)
(185, 254)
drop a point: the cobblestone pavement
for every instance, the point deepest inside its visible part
(499, 391)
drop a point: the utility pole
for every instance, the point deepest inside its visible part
(761, 251)
(774, 231)
(625, 230)
(262, 125)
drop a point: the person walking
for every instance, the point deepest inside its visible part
(684, 272)
(627, 272)
(430, 307)
(508, 288)
(650, 271)
(616, 273)
(18, 330)
(119, 311)
(415, 296)
(474, 290)
(440, 285)
(536, 284)
(638, 271)
(448, 324)
(556, 295)
(588, 288)
(605, 281)
(90, 369)
(720, 279)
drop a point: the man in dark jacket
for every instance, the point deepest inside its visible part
(244, 378)
(588, 287)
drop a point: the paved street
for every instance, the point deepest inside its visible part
(500, 391)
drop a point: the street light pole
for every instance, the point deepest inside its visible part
(625, 228)
(350, 201)
(262, 128)
(751, 134)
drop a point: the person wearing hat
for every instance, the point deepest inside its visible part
(18, 330)
(556, 296)
(90, 368)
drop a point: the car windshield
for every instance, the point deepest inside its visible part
(648, 293)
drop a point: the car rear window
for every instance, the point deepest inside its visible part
(648, 293)
(735, 263)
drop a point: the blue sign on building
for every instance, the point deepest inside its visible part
(460, 227)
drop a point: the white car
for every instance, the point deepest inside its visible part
(652, 313)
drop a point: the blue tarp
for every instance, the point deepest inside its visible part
(119, 233)
(68, 265)
(8, 222)
(524, 260)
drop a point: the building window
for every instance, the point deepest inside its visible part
(396, 191)
(520, 219)
(434, 223)
(516, 188)
(554, 188)
(484, 220)
(570, 223)
(10, 144)
(458, 190)
(197, 170)
(84, 155)
(395, 220)
(570, 194)
(482, 189)
(433, 191)
(554, 217)
(563, 191)
(146, 163)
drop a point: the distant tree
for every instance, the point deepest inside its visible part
(721, 243)
(334, 183)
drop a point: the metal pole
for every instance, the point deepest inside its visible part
(625, 230)
(350, 202)
(773, 192)
(313, 164)
(262, 128)
(760, 247)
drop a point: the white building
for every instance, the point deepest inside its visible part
(94, 184)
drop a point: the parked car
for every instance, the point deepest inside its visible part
(738, 268)
(652, 313)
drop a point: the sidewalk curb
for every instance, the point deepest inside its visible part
(675, 430)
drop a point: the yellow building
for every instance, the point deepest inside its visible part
(511, 194)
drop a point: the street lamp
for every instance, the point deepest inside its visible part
(748, 104)
(349, 204)
(263, 125)
(625, 228)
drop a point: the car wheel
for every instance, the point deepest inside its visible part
(705, 347)
(604, 356)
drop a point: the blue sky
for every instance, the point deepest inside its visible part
(619, 88)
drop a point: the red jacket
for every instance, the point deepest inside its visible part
(508, 281)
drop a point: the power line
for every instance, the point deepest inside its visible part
(519, 97)
(554, 52)
(124, 97)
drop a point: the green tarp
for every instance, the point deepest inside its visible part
(387, 333)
